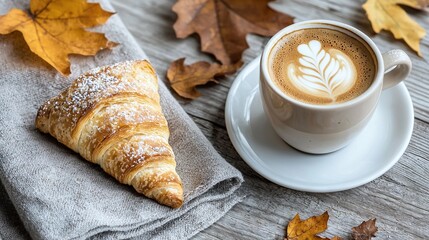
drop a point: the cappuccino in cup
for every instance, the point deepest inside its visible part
(320, 83)
(321, 66)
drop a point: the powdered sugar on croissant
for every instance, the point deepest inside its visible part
(112, 116)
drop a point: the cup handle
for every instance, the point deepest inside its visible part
(397, 66)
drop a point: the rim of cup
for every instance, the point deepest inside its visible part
(378, 78)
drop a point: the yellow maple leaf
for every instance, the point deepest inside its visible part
(388, 15)
(307, 229)
(53, 29)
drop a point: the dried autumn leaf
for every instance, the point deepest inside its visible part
(390, 16)
(53, 29)
(307, 229)
(223, 24)
(184, 78)
(365, 231)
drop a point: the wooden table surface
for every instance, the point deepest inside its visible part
(399, 199)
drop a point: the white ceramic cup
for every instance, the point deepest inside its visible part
(322, 129)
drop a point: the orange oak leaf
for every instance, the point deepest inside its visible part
(388, 15)
(184, 78)
(223, 24)
(365, 231)
(307, 229)
(53, 29)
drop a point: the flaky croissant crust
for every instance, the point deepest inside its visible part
(112, 117)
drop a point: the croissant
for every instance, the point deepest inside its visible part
(112, 116)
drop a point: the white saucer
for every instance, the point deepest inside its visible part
(370, 155)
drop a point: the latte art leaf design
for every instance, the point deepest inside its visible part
(321, 73)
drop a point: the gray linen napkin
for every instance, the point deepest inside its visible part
(55, 194)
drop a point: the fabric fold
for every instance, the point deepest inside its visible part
(56, 194)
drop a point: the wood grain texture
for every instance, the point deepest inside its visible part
(399, 199)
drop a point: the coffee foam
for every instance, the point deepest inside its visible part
(321, 66)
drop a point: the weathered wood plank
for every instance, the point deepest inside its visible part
(398, 199)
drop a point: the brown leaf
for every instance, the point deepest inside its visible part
(53, 29)
(390, 16)
(223, 24)
(336, 238)
(307, 229)
(184, 78)
(365, 231)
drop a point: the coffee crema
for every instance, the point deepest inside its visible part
(321, 66)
